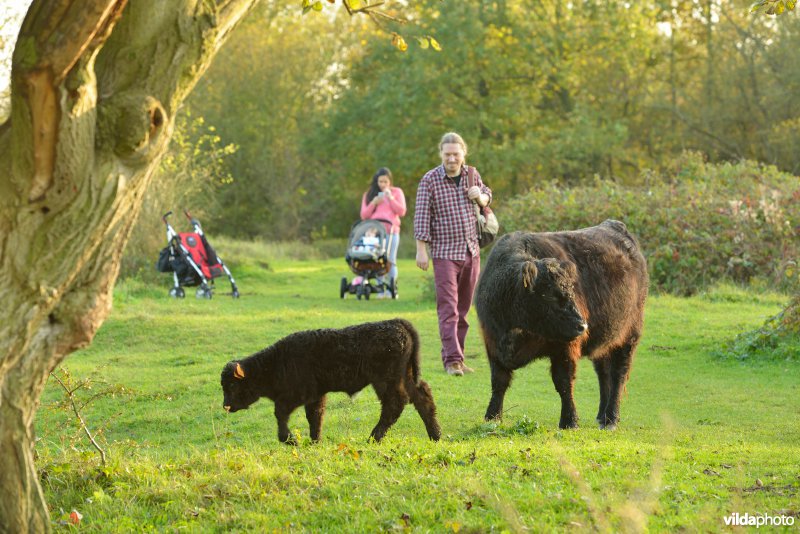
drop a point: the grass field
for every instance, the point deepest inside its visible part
(700, 438)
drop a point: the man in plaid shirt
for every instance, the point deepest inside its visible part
(444, 221)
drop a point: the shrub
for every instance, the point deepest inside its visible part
(778, 339)
(698, 223)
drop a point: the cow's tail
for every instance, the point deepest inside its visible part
(414, 359)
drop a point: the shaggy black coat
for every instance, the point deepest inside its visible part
(564, 295)
(301, 368)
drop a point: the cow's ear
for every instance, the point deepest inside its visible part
(238, 372)
(569, 268)
(529, 274)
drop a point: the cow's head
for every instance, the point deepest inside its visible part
(236, 393)
(548, 288)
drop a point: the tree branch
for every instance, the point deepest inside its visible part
(66, 30)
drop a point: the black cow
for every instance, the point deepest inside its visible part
(564, 295)
(301, 368)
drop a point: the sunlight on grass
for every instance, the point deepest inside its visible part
(700, 438)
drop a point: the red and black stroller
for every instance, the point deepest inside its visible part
(192, 261)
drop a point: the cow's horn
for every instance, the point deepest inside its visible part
(238, 372)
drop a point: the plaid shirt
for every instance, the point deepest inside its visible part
(444, 216)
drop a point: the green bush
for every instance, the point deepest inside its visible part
(697, 223)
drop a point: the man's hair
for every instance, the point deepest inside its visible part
(452, 137)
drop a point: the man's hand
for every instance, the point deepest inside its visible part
(474, 194)
(422, 256)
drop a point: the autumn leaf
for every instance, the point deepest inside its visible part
(399, 42)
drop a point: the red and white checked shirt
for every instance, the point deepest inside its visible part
(444, 216)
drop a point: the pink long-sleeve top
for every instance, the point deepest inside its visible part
(391, 210)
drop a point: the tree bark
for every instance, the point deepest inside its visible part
(95, 88)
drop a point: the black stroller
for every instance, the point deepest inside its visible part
(192, 261)
(368, 257)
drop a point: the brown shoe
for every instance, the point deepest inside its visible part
(454, 369)
(467, 369)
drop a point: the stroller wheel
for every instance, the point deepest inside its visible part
(235, 294)
(393, 287)
(343, 288)
(203, 292)
(359, 292)
(177, 292)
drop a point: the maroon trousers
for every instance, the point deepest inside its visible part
(455, 284)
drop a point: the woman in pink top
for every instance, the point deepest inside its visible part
(382, 201)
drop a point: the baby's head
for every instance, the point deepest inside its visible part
(371, 232)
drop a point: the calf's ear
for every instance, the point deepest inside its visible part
(529, 274)
(238, 372)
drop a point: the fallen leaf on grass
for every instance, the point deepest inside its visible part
(75, 517)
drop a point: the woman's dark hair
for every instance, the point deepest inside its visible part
(373, 186)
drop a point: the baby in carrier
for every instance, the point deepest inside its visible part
(369, 242)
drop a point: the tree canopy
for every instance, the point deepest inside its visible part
(540, 90)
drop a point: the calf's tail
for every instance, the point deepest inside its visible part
(414, 356)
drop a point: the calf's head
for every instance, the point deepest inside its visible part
(548, 296)
(236, 393)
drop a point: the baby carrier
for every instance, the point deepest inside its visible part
(192, 261)
(367, 255)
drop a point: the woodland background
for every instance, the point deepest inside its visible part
(685, 109)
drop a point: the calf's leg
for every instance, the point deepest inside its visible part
(563, 369)
(315, 411)
(282, 413)
(602, 368)
(422, 398)
(620, 366)
(393, 400)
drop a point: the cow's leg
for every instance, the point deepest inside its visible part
(315, 411)
(501, 379)
(602, 367)
(563, 370)
(282, 413)
(393, 400)
(422, 398)
(619, 368)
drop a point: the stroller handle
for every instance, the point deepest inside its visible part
(365, 220)
(192, 220)
(164, 217)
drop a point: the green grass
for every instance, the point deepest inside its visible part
(700, 438)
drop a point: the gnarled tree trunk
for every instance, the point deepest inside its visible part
(95, 88)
